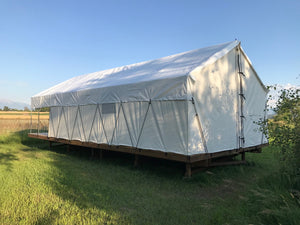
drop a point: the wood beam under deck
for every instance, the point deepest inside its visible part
(193, 163)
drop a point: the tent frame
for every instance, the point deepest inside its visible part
(193, 163)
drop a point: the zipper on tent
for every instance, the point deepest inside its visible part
(242, 99)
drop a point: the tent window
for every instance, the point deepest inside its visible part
(108, 108)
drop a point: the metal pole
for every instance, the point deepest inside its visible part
(38, 128)
(93, 123)
(82, 126)
(59, 119)
(116, 123)
(127, 125)
(66, 122)
(74, 123)
(31, 121)
(48, 127)
(137, 143)
(242, 99)
(103, 123)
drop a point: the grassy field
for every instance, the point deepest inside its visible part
(42, 186)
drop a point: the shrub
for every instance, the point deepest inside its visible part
(283, 131)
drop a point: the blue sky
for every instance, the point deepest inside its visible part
(43, 43)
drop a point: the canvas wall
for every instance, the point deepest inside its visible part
(161, 125)
(216, 90)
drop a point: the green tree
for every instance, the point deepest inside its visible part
(44, 109)
(6, 108)
(283, 131)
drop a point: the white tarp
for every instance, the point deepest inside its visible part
(161, 125)
(160, 79)
(189, 103)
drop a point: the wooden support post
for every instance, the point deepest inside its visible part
(137, 161)
(101, 154)
(243, 156)
(92, 153)
(68, 148)
(188, 170)
(50, 144)
(207, 162)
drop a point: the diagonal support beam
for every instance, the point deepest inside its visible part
(93, 123)
(102, 122)
(200, 127)
(59, 120)
(127, 124)
(74, 122)
(137, 143)
(116, 123)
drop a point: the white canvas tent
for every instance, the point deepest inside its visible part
(196, 102)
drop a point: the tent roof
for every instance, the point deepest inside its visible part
(170, 68)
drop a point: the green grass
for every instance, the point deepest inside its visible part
(42, 186)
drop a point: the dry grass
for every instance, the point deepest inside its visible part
(22, 116)
(17, 121)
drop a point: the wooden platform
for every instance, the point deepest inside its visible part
(193, 163)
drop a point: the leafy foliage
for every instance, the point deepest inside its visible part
(284, 131)
(8, 109)
(43, 109)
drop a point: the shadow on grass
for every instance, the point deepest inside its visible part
(161, 168)
(155, 166)
(113, 189)
(151, 166)
(49, 218)
(6, 160)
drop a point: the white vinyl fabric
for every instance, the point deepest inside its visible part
(255, 102)
(215, 89)
(160, 79)
(161, 125)
(189, 103)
